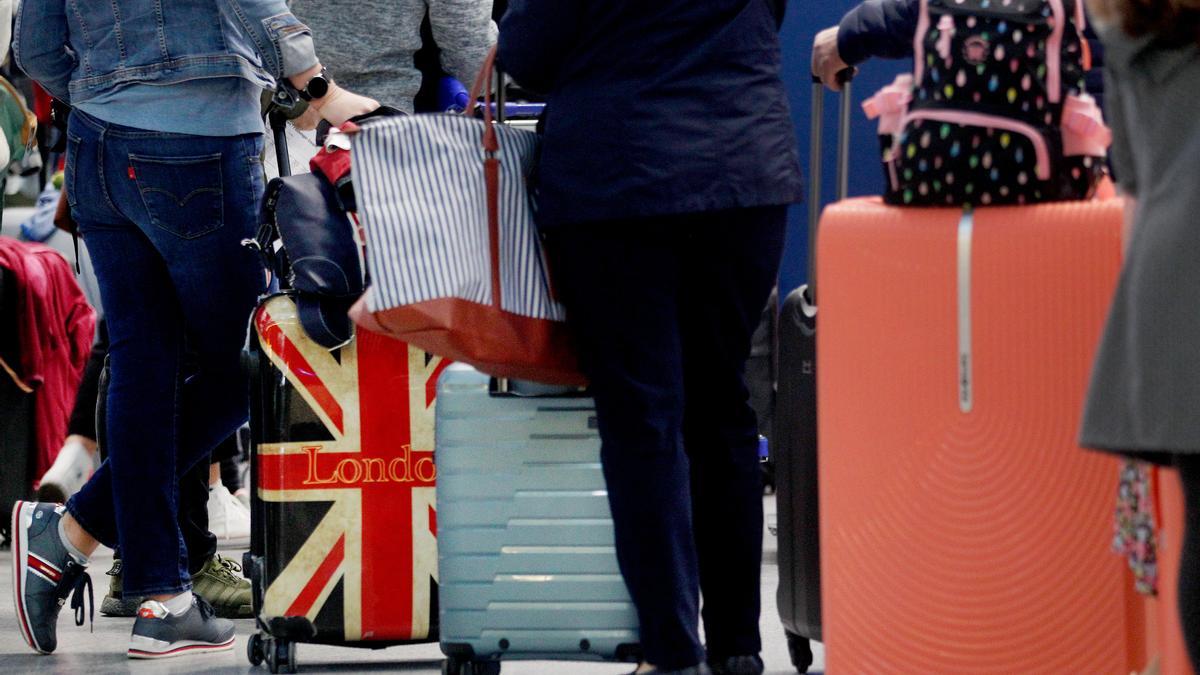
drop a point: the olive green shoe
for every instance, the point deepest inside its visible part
(113, 604)
(219, 582)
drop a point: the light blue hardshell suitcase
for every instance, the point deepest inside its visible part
(527, 565)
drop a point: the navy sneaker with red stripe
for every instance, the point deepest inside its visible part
(44, 574)
(158, 633)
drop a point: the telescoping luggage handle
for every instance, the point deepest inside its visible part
(814, 165)
(283, 106)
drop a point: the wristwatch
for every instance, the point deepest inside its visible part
(317, 87)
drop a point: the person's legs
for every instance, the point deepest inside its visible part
(51, 547)
(146, 333)
(225, 465)
(200, 543)
(163, 216)
(213, 577)
(730, 267)
(213, 283)
(1189, 567)
(83, 415)
(192, 518)
(619, 283)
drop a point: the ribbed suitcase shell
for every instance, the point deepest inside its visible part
(963, 530)
(527, 563)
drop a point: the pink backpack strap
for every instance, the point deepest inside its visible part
(1084, 132)
(890, 105)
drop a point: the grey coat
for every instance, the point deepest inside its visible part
(368, 45)
(1145, 391)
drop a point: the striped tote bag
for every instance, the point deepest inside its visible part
(455, 260)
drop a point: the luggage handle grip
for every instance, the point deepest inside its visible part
(845, 78)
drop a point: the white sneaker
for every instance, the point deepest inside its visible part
(228, 518)
(71, 469)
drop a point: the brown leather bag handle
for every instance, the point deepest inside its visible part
(491, 168)
(483, 87)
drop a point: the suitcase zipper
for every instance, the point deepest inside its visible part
(1041, 148)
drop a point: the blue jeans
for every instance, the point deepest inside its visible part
(163, 216)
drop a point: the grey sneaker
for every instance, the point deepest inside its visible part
(44, 574)
(159, 634)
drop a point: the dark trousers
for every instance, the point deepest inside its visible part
(664, 310)
(1189, 568)
(83, 415)
(163, 216)
(193, 486)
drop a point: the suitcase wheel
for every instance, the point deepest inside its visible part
(281, 656)
(456, 666)
(800, 650)
(254, 650)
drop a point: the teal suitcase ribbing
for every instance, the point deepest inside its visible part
(527, 565)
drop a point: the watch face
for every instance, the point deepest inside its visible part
(317, 87)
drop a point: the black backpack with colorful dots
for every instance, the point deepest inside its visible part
(995, 112)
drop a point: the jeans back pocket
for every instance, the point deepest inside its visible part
(183, 195)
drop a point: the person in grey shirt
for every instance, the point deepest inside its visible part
(370, 49)
(1145, 387)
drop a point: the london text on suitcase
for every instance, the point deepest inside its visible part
(528, 566)
(343, 511)
(962, 528)
(344, 477)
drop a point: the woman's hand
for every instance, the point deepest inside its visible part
(339, 105)
(827, 63)
(308, 120)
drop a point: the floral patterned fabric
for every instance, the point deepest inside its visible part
(1136, 535)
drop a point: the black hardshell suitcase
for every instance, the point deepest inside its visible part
(795, 460)
(343, 544)
(794, 449)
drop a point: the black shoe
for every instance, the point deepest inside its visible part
(158, 634)
(701, 669)
(738, 665)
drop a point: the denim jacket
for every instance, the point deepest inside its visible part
(78, 49)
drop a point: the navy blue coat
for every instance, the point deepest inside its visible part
(655, 108)
(882, 28)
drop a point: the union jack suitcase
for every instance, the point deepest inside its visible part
(343, 475)
(527, 561)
